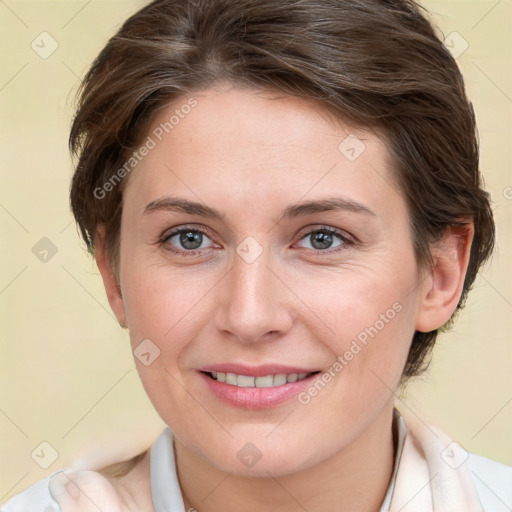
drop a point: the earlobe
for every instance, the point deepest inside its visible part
(442, 289)
(110, 283)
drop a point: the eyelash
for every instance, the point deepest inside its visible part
(345, 238)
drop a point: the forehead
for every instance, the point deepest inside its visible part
(252, 148)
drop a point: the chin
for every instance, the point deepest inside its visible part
(245, 458)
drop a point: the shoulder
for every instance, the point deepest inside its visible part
(36, 498)
(493, 482)
(67, 489)
(462, 477)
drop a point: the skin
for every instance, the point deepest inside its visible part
(251, 154)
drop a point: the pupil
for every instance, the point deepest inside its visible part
(323, 240)
(191, 239)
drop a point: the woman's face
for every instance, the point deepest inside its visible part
(295, 256)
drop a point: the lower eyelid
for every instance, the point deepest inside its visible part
(344, 239)
(330, 251)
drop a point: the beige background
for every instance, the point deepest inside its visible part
(67, 375)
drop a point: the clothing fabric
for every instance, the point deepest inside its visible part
(431, 473)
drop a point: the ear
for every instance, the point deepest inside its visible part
(112, 287)
(442, 288)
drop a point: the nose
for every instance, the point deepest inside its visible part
(254, 303)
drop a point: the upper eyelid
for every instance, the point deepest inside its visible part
(177, 230)
(203, 229)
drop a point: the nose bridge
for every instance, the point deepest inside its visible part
(252, 302)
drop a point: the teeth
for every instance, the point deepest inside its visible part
(244, 381)
(264, 382)
(248, 381)
(231, 378)
(279, 379)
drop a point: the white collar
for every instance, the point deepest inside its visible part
(166, 492)
(165, 489)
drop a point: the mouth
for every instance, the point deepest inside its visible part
(262, 387)
(252, 381)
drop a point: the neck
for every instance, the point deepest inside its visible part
(355, 478)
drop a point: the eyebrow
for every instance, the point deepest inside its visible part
(168, 203)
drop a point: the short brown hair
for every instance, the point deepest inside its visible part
(375, 63)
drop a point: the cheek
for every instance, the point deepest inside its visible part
(167, 307)
(158, 299)
(359, 303)
(370, 323)
(160, 310)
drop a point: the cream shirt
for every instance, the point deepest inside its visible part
(431, 473)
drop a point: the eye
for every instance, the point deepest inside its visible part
(185, 241)
(323, 240)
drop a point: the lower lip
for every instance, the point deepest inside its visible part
(256, 398)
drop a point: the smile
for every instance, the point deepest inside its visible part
(249, 381)
(256, 387)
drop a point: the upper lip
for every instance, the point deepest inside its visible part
(255, 371)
